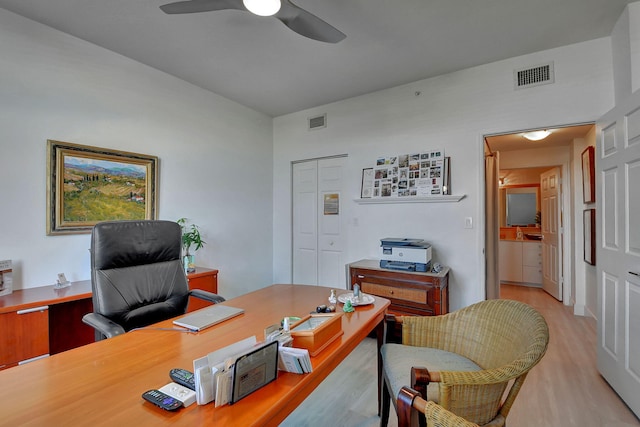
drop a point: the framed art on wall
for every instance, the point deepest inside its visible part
(589, 217)
(366, 188)
(86, 185)
(588, 176)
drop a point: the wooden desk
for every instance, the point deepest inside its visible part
(102, 383)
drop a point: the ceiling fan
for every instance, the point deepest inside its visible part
(294, 17)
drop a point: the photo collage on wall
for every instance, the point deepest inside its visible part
(410, 175)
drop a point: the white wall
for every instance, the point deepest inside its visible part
(625, 40)
(453, 112)
(585, 290)
(215, 155)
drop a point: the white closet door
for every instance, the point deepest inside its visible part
(305, 223)
(319, 226)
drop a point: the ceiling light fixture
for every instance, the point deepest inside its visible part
(536, 135)
(262, 7)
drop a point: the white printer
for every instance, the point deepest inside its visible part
(405, 254)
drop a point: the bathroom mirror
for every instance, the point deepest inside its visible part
(519, 205)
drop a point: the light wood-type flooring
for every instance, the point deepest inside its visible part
(563, 390)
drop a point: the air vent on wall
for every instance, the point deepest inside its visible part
(317, 122)
(534, 76)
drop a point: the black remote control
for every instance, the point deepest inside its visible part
(162, 400)
(184, 378)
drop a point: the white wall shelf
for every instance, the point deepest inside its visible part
(430, 199)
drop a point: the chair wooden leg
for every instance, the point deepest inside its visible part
(380, 334)
(385, 398)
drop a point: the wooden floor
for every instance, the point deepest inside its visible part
(564, 389)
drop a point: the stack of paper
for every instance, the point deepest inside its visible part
(229, 374)
(295, 360)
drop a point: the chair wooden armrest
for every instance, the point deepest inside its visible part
(420, 379)
(436, 415)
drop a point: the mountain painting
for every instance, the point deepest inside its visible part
(97, 190)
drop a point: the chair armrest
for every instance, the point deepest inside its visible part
(435, 414)
(207, 296)
(420, 379)
(406, 396)
(103, 325)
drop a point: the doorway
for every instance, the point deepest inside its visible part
(514, 152)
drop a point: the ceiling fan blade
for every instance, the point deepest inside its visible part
(294, 17)
(307, 24)
(195, 6)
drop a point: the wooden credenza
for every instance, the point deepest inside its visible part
(410, 293)
(205, 279)
(37, 322)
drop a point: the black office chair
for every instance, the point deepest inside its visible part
(137, 276)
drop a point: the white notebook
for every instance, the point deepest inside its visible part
(208, 316)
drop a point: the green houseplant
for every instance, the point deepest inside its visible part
(191, 237)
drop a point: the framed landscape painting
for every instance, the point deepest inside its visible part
(86, 185)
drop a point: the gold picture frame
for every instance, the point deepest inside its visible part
(86, 185)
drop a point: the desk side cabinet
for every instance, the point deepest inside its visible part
(24, 336)
(410, 293)
(205, 279)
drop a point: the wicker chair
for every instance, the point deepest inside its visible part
(435, 415)
(471, 362)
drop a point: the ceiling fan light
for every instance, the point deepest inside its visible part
(262, 7)
(536, 135)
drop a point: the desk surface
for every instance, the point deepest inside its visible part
(102, 383)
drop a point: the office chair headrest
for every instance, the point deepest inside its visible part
(119, 244)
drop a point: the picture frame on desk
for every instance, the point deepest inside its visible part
(6, 277)
(86, 185)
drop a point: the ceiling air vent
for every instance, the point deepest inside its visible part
(535, 76)
(318, 122)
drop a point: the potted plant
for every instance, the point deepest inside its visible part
(190, 237)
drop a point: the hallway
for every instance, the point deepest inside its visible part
(565, 388)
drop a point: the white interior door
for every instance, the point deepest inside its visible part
(550, 193)
(305, 222)
(618, 249)
(319, 227)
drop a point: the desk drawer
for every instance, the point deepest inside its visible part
(406, 294)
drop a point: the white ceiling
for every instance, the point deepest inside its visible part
(262, 64)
